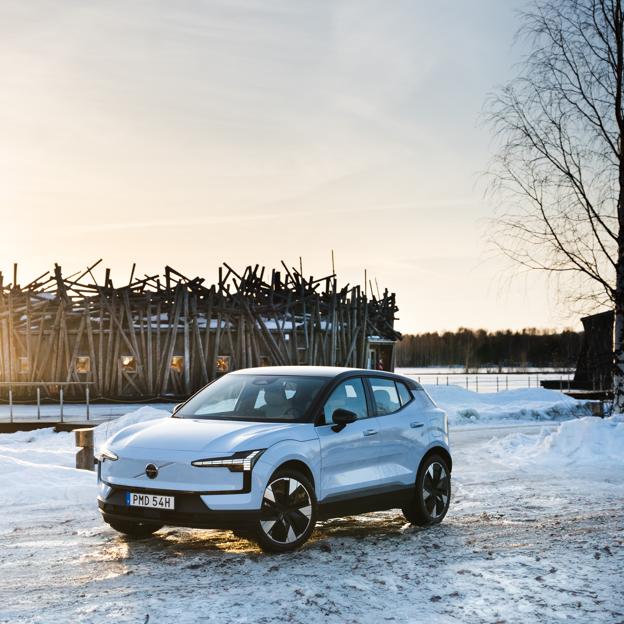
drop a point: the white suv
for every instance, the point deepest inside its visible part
(267, 452)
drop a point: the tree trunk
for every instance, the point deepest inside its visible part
(618, 324)
(618, 334)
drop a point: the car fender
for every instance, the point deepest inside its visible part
(307, 452)
(438, 428)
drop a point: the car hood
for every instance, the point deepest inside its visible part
(217, 436)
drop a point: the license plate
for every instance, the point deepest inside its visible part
(154, 501)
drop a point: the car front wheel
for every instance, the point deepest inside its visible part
(432, 493)
(288, 512)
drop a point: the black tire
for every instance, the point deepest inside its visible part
(432, 493)
(288, 512)
(135, 530)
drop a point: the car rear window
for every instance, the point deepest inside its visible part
(404, 394)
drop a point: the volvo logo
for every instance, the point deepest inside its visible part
(151, 471)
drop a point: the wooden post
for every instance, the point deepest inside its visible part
(85, 456)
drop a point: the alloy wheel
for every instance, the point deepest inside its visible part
(286, 510)
(436, 489)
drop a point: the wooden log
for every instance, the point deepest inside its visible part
(171, 340)
(187, 345)
(157, 387)
(109, 366)
(115, 364)
(149, 353)
(217, 346)
(74, 354)
(133, 342)
(85, 455)
(93, 374)
(208, 354)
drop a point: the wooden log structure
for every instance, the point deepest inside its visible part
(164, 337)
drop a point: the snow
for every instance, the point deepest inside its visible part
(534, 534)
(520, 405)
(37, 467)
(588, 441)
(37, 470)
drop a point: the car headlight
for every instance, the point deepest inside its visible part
(243, 461)
(105, 453)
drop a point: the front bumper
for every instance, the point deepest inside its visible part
(190, 511)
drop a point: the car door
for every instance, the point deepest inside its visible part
(403, 430)
(349, 457)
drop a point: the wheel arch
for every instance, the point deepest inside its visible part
(438, 450)
(299, 466)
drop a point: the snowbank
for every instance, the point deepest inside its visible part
(38, 467)
(526, 404)
(581, 442)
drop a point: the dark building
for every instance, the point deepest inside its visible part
(594, 368)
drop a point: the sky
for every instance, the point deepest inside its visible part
(194, 132)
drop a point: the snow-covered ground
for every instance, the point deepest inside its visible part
(535, 533)
(508, 406)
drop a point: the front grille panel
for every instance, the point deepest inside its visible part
(172, 475)
(190, 511)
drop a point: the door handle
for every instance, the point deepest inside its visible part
(416, 425)
(370, 432)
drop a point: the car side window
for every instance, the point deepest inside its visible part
(404, 394)
(348, 395)
(385, 395)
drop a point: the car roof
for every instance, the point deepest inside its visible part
(308, 371)
(327, 372)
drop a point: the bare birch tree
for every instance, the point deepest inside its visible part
(560, 163)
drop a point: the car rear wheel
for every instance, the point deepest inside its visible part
(288, 512)
(432, 493)
(135, 529)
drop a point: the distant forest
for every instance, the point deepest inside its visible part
(473, 348)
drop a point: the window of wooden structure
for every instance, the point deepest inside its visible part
(265, 360)
(128, 363)
(177, 363)
(223, 363)
(83, 365)
(23, 365)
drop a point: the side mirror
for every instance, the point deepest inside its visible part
(342, 418)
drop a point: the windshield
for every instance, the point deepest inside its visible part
(263, 398)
